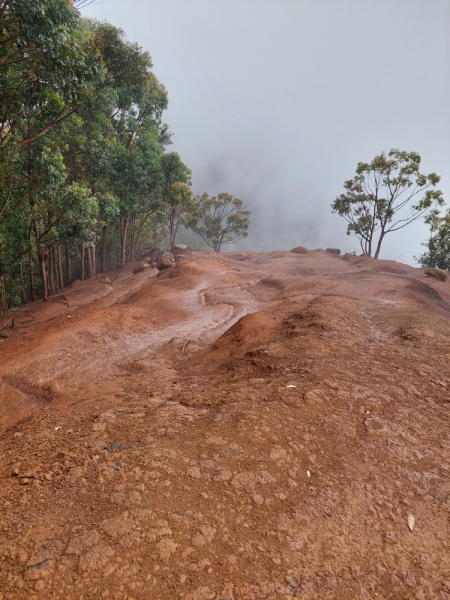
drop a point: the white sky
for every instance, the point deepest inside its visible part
(276, 101)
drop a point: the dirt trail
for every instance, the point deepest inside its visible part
(246, 425)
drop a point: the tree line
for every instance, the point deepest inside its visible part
(87, 182)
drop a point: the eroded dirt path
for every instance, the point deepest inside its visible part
(241, 426)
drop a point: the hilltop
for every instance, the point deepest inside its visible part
(241, 425)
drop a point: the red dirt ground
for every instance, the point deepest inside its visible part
(240, 426)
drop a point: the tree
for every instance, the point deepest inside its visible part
(83, 161)
(175, 195)
(386, 195)
(46, 63)
(132, 101)
(438, 244)
(219, 219)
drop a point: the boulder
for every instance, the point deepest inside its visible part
(166, 262)
(299, 250)
(333, 251)
(183, 249)
(438, 273)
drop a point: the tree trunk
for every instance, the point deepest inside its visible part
(23, 292)
(41, 259)
(104, 242)
(123, 236)
(377, 253)
(133, 232)
(119, 229)
(172, 232)
(94, 259)
(50, 272)
(82, 262)
(61, 279)
(89, 261)
(67, 265)
(54, 270)
(3, 302)
(30, 260)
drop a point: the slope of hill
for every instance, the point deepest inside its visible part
(243, 425)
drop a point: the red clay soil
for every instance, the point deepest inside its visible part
(240, 426)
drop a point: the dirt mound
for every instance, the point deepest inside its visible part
(239, 426)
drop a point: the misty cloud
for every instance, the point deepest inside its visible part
(276, 102)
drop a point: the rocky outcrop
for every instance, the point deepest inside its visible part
(166, 262)
(299, 250)
(438, 273)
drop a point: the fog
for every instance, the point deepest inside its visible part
(276, 101)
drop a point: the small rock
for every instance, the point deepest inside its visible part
(411, 522)
(69, 431)
(203, 593)
(294, 543)
(277, 453)
(257, 499)
(80, 543)
(115, 446)
(96, 558)
(223, 474)
(194, 472)
(109, 570)
(227, 592)
(208, 532)
(166, 548)
(333, 251)
(300, 250)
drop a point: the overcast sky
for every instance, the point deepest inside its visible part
(276, 101)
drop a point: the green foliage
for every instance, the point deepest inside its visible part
(83, 162)
(219, 219)
(386, 195)
(86, 180)
(47, 62)
(175, 195)
(438, 244)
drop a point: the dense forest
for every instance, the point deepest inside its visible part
(86, 179)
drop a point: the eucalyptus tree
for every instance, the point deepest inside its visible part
(46, 64)
(82, 146)
(175, 195)
(134, 107)
(219, 219)
(438, 244)
(385, 196)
